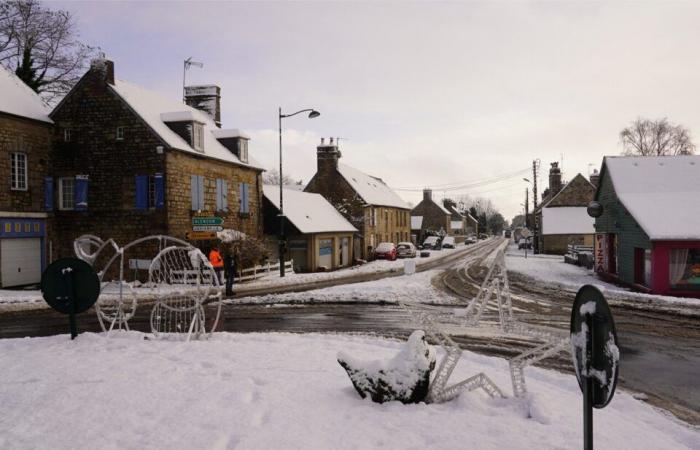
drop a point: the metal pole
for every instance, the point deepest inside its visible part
(281, 237)
(70, 291)
(588, 394)
(535, 225)
(184, 71)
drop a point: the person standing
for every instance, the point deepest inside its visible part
(229, 272)
(216, 262)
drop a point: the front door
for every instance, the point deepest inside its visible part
(345, 252)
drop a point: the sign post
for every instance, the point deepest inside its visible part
(595, 353)
(70, 286)
(526, 234)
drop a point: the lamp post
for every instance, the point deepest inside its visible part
(282, 239)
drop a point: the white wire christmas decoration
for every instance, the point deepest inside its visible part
(182, 285)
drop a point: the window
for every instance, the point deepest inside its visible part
(66, 135)
(66, 193)
(684, 269)
(198, 136)
(243, 189)
(19, 171)
(243, 150)
(120, 133)
(197, 192)
(149, 192)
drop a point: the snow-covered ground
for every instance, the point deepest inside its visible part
(273, 391)
(416, 287)
(21, 299)
(553, 270)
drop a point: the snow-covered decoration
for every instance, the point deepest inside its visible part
(183, 280)
(309, 213)
(19, 99)
(180, 277)
(406, 377)
(229, 235)
(494, 288)
(372, 189)
(660, 192)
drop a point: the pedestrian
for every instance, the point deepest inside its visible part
(229, 271)
(216, 262)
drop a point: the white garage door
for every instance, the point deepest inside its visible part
(21, 261)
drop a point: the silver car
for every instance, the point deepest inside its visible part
(406, 250)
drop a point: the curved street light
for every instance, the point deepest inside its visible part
(282, 238)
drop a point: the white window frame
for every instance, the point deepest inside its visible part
(66, 135)
(120, 133)
(198, 136)
(19, 177)
(243, 150)
(61, 204)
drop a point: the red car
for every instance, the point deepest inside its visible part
(385, 250)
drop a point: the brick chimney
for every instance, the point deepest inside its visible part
(205, 98)
(595, 177)
(103, 67)
(327, 155)
(427, 195)
(554, 179)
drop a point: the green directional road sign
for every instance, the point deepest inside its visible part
(204, 221)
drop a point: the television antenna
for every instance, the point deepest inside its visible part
(187, 64)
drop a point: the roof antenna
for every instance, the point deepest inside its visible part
(187, 64)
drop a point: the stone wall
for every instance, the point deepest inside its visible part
(34, 139)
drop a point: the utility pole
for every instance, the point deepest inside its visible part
(527, 225)
(536, 245)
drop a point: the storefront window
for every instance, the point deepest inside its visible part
(647, 267)
(684, 269)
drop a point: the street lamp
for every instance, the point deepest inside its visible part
(281, 245)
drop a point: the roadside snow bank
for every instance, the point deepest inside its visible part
(269, 391)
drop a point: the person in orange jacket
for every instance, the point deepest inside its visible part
(217, 262)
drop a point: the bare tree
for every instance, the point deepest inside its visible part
(273, 177)
(41, 46)
(656, 138)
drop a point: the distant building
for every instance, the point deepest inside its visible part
(461, 223)
(128, 163)
(365, 201)
(25, 139)
(318, 236)
(648, 235)
(563, 219)
(436, 218)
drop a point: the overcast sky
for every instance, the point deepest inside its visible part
(425, 93)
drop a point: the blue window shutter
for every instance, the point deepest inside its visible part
(142, 192)
(240, 197)
(48, 193)
(200, 192)
(245, 193)
(193, 191)
(218, 195)
(224, 195)
(160, 190)
(81, 192)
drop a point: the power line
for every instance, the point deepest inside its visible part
(466, 185)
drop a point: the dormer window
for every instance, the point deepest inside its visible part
(243, 150)
(66, 135)
(198, 136)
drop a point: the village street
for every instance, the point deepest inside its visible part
(660, 346)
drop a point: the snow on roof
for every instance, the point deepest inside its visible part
(372, 190)
(416, 222)
(456, 224)
(152, 107)
(230, 133)
(178, 116)
(567, 220)
(19, 99)
(662, 193)
(310, 213)
(445, 210)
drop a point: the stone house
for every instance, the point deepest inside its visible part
(365, 201)
(318, 236)
(436, 218)
(647, 233)
(25, 140)
(128, 163)
(462, 224)
(563, 219)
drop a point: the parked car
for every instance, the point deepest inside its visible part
(406, 250)
(448, 242)
(483, 236)
(385, 250)
(470, 240)
(525, 243)
(431, 242)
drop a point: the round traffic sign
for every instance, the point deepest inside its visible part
(525, 233)
(68, 278)
(594, 348)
